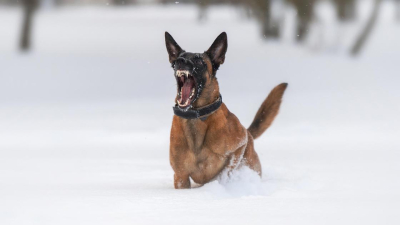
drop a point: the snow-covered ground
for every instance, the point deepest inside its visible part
(85, 119)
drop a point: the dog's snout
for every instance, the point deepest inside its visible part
(183, 64)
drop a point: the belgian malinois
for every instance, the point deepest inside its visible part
(206, 138)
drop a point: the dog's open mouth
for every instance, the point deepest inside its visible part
(186, 88)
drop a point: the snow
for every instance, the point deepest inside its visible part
(85, 120)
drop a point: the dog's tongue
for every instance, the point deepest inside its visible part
(187, 89)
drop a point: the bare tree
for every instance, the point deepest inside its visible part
(123, 2)
(29, 7)
(305, 14)
(362, 38)
(345, 9)
(203, 6)
(262, 11)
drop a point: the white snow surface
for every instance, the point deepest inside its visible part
(85, 119)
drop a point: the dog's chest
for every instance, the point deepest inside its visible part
(205, 166)
(195, 135)
(209, 148)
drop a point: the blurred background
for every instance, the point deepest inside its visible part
(86, 96)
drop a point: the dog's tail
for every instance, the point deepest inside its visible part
(267, 111)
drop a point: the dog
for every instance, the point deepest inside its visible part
(206, 138)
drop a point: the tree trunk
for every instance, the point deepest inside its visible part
(29, 7)
(398, 10)
(262, 11)
(305, 14)
(203, 6)
(345, 9)
(359, 44)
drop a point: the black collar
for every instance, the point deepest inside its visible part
(199, 113)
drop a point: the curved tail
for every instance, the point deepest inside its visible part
(267, 111)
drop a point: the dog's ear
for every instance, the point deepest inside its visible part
(174, 50)
(218, 49)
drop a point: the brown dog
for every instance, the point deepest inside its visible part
(206, 138)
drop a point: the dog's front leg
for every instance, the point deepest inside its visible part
(235, 160)
(181, 181)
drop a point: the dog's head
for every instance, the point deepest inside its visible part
(195, 72)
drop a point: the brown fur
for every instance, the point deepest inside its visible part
(201, 150)
(267, 112)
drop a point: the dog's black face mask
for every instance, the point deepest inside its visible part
(191, 70)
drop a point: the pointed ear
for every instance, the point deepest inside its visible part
(172, 47)
(218, 49)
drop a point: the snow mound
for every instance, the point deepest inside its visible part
(244, 182)
(241, 182)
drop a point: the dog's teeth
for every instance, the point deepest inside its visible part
(180, 73)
